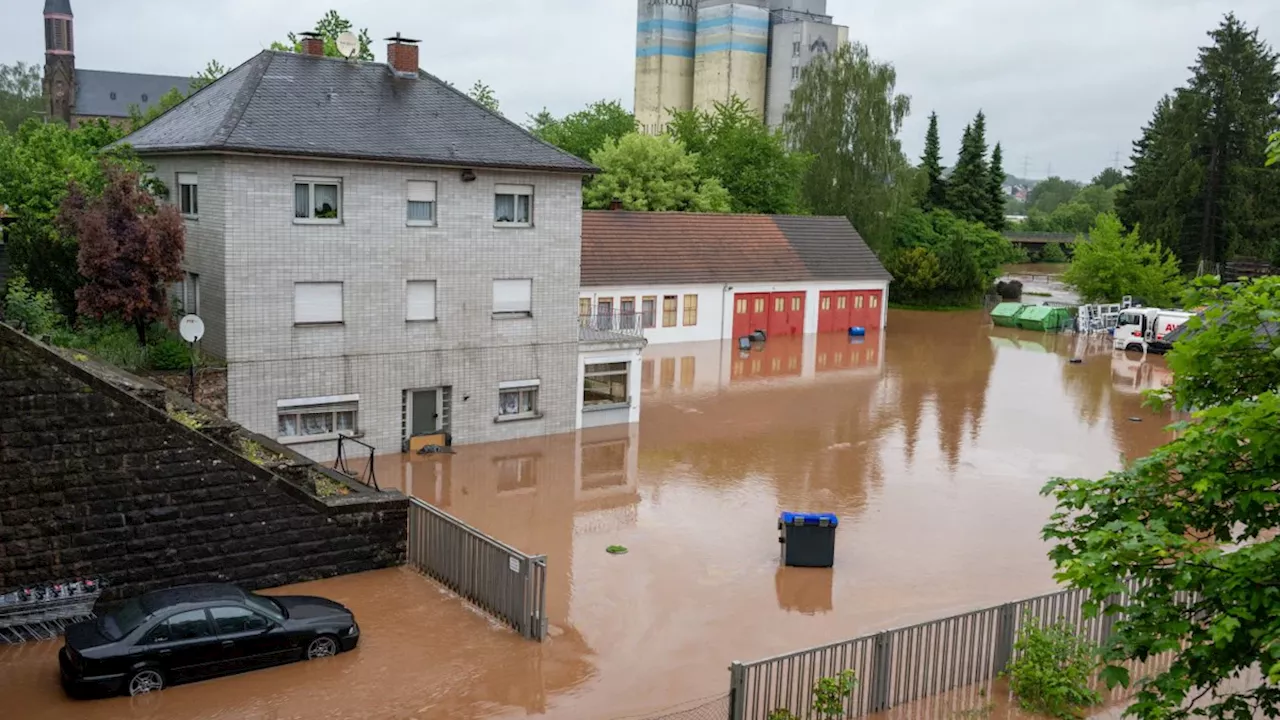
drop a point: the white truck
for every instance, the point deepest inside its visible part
(1145, 329)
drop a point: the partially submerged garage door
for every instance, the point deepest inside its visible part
(778, 314)
(840, 310)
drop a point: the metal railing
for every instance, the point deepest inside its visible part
(622, 323)
(495, 577)
(343, 463)
(898, 666)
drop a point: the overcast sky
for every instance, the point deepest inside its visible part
(1064, 83)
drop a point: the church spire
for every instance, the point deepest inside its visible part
(59, 59)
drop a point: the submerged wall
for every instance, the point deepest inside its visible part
(95, 481)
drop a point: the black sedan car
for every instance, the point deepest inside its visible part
(199, 631)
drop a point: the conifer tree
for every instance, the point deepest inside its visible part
(935, 195)
(968, 187)
(995, 191)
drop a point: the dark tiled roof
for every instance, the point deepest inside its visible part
(102, 93)
(644, 248)
(292, 104)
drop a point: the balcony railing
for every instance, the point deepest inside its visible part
(630, 324)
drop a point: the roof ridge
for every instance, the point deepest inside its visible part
(242, 99)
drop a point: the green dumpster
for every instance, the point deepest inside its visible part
(1044, 318)
(1006, 314)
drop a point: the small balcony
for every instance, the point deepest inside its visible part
(610, 327)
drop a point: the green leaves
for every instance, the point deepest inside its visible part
(1113, 263)
(1052, 670)
(939, 259)
(652, 173)
(582, 133)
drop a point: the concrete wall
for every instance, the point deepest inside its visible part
(731, 57)
(98, 483)
(664, 61)
(816, 40)
(374, 353)
(205, 234)
(715, 305)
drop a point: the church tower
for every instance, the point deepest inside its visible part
(59, 60)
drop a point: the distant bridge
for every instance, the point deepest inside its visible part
(1041, 238)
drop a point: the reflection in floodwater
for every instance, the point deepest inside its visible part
(931, 440)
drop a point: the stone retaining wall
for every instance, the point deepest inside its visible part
(95, 481)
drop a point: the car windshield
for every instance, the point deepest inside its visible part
(123, 620)
(266, 606)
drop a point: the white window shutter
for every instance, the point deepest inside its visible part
(422, 191)
(420, 300)
(317, 302)
(513, 190)
(512, 296)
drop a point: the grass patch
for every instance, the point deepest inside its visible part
(328, 487)
(257, 454)
(190, 420)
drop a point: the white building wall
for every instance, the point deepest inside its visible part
(715, 305)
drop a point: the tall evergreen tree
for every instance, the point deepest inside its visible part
(935, 196)
(968, 187)
(995, 191)
(1198, 181)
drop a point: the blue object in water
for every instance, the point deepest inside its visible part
(744, 343)
(792, 518)
(857, 331)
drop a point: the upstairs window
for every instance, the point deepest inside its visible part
(420, 300)
(795, 73)
(317, 200)
(317, 303)
(795, 49)
(690, 310)
(422, 203)
(513, 298)
(670, 306)
(513, 205)
(188, 194)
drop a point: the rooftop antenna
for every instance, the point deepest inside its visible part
(348, 44)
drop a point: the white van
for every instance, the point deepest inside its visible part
(1144, 329)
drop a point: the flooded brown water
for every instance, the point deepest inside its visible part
(930, 440)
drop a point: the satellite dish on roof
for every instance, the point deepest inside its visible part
(348, 44)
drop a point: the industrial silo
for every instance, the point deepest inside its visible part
(664, 61)
(731, 53)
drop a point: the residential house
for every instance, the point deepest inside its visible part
(695, 277)
(376, 255)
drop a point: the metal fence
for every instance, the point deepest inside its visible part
(898, 666)
(622, 323)
(495, 577)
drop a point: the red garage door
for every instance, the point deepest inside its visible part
(834, 311)
(786, 314)
(750, 313)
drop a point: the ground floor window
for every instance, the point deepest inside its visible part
(605, 384)
(316, 417)
(518, 399)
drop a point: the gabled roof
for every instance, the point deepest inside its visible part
(102, 93)
(650, 248)
(292, 104)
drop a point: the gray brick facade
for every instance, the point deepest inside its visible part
(250, 252)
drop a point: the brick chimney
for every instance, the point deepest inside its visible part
(312, 44)
(615, 204)
(402, 55)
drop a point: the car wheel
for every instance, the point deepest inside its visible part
(1133, 347)
(323, 646)
(146, 680)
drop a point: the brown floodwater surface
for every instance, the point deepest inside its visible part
(931, 440)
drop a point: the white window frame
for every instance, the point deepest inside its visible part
(191, 180)
(332, 406)
(588, 374)
(409, 315)
(422, 189)
(190, 293)
(518, 389)
(516, 192)
(341, 304)
(311, 183)
(508, 312)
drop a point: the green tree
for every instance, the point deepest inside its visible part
(968, 188)
(846, 114)
(994, 217)
(935, 195)
(1108, 178)
(585, 131)
(21, 94)
(1053, 253)
(483, 94)
(1113, 263)
(1273, 150)
(36, 164)
(1198, 180)
(130, 250)
(211, 72)
(967, 256)
(1194, 522)
(329, 28)
(916, 275)
(139, 118)
(752, 162)
(652, 173)
(1051, 192)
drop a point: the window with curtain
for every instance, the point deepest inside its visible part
(513, 204)
(420, 300)
(690, 310)
(188, 194)
(317, 200)
(518, 399)
(513, 297)
(649, 312)
(670, 308)
(317, 302)
(421, 203)
(309, 418)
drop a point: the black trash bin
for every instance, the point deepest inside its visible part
(808, 539)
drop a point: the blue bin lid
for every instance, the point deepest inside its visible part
(791, 518)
